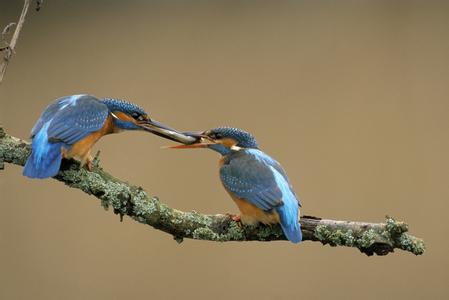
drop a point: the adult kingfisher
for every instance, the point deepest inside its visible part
(71, 125)
(256, 182)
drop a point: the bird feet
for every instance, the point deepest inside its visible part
(235, 218)
(89, 165)
(88, 162)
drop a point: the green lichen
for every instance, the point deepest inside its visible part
(334, 237)
(394, 227)
(412, 244)
(265, 232)
(397, 232)
(13, 150)
(142, 206)
(368, 238)
(197, 218)
(322, 233)
(176, 220)
(204, 233)
(234, 233)
(165, 213)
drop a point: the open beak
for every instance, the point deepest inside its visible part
(201, 141)
(166, 132)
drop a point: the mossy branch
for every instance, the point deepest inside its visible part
(133, 201)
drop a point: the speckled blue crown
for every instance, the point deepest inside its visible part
(123, 106)
(244, 139)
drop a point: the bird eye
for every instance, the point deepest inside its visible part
(138, 117)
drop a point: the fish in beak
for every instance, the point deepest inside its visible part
(201, 141)
(161, 130)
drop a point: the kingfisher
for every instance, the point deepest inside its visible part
(256, 182)
(71, 125)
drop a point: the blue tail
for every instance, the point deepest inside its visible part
(45, 158)
(288, 214)
(289, 211)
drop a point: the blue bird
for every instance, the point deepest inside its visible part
(70, 126)
(256, 182)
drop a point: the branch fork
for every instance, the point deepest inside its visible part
(9, 50)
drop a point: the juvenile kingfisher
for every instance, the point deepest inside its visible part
(256, 182)
(70, 126)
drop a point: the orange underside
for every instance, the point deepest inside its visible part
(81, 149)
(251, 214)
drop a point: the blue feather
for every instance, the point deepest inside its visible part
(244, 139)
(288, 213)
(123, 106)
(45, 158)
(125, 124)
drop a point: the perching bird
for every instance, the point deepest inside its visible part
(256, 182)
(71, 125)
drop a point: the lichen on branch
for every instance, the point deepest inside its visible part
(129, 200)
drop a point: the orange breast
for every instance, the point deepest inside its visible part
(81, 149)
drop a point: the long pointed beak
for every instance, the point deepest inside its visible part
(191, 146)
(164, 131)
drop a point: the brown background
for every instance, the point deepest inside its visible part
(352, 98)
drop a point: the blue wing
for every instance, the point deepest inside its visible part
(251, 175)
(76, 118)
(254, 176)
(250, 178)
(49, 113)
(277, 168)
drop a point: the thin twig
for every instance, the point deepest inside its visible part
(12, 44)
(133, 201)
(7, 29)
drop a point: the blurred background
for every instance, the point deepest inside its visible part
(351, 97)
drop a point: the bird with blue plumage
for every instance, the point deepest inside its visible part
(70, 126)
(256, 182)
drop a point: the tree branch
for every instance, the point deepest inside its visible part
(9, 49)
(133, 201)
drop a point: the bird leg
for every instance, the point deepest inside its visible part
(235, 218)
(85, 159)
(89, 165)
(86, 162)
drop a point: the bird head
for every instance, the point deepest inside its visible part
(129, 116)
(224, 140)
